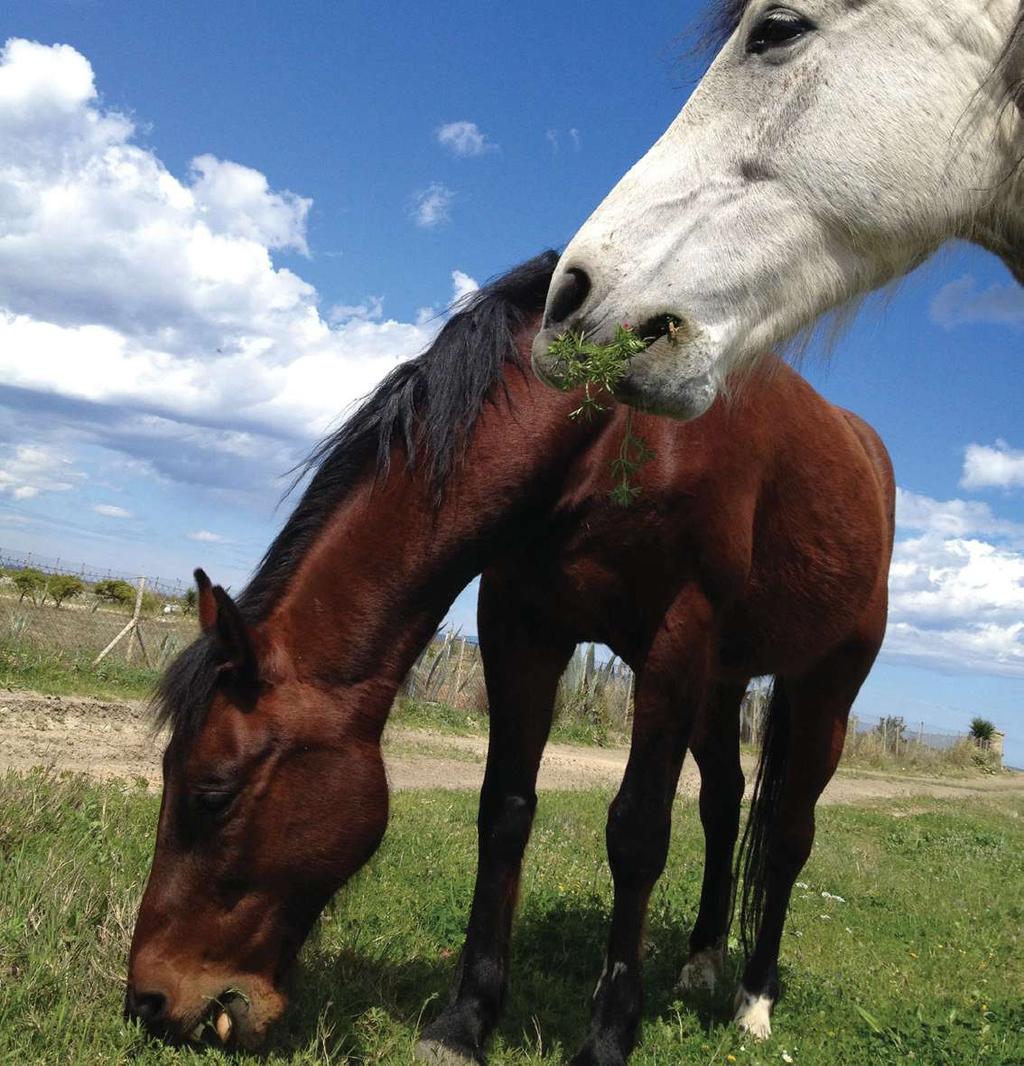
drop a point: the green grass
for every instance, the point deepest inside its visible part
(24, 665)
(454, 721)
(922, 963)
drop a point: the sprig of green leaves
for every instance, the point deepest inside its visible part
(598, 368)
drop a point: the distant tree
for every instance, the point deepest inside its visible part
(189, 602)
(114, 590)
(63, 587)
(982, 730)
(892, 729)
(29, 582)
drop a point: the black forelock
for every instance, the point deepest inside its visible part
(427, 406)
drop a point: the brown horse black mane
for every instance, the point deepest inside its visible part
(428, 405)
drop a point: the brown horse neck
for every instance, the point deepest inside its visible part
(387, 565)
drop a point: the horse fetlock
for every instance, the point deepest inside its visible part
(753, 1013)
(703, 969)
(596, 1054)
(440, 1054)
(456, 1036)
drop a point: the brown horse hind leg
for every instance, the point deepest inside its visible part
(805, 732)
(671, 688)
(523, 661)
(716, 750)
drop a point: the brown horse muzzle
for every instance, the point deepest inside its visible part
(235, 1010)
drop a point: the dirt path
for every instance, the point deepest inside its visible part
(114, 739)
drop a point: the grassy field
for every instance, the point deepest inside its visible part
(920, 963)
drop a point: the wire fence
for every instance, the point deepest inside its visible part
(54, 612)
(11, 561)
(57, 614)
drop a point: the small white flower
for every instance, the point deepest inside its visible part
(834, 899)
(786, 1057)
(802, 884)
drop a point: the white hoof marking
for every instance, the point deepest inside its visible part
(430, 1051)
(702, 970)
(753, 1014)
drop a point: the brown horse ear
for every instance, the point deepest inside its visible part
(219, 616)
(207, 602)
(233, 638)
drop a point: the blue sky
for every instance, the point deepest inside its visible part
(217, 231)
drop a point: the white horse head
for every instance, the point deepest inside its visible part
(831, 147)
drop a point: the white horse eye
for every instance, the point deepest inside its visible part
(777, 28)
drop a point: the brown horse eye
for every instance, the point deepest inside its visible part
(777, 28)
(212, 802)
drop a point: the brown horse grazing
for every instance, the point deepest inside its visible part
(759, 544)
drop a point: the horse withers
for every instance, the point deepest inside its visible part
(831, 147)
(759, 544)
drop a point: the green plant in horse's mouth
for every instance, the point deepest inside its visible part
(598, 368)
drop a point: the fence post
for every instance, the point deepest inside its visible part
(135, 618)
(131, 630)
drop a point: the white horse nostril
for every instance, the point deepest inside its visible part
(568, 297)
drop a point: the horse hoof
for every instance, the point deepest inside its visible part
(753, 1014)
(702, 970)
(438, 1054)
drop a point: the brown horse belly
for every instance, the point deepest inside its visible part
(815, 577)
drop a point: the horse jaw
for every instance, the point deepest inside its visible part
(787, 188)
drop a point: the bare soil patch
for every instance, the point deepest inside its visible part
(108, 738)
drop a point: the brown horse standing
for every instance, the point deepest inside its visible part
(760, 544)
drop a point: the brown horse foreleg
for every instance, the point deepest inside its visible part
(671, 689)
(523, 661)
(817, 706)
(716, 749)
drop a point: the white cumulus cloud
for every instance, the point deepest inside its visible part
(997, 466)
(146, 311)
(110, 510)
(463, 286)
(27, 470)
(206, 537)
(956, 588)
(465, 139)
(238, 201)
(961, 302)
(950, 517)
(431, 207)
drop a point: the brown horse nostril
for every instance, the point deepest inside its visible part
(147, 1007)
(573, 290)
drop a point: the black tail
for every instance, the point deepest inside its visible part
(752, 859)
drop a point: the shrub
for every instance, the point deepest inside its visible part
(114, 590)
(63, 587)
(29, 582)
(982, 729)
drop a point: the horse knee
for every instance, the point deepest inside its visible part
(638, 839)
(790, 847)
(505, 827)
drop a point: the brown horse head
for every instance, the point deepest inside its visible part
(248, 852)
(274, 786)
